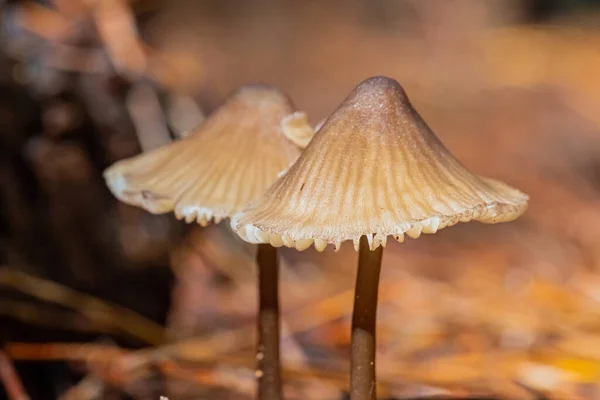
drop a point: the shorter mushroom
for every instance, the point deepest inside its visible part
(212, 173)
(374, 169)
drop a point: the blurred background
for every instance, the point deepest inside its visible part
(99, 300)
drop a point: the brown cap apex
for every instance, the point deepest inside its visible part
(380, 83)
(378, 92)
(377, 107)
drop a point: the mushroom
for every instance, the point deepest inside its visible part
(212, 173)
(373, 170)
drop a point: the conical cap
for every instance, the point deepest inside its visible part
(229, 160)
(374, 168)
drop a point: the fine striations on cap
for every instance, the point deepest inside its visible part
(229, 160)
(374, 168)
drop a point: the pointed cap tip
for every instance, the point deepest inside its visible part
(381, 84)
(378, 91)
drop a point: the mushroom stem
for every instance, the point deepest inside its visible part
(267, 353)
(362, 364)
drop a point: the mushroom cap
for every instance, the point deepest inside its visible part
(227, 161)
(374, 168)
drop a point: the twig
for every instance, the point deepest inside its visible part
(63, 352)
(148, 117)
(117, 28)
(95, 309)
(183, 114)
(112, 364)
(33, 314)
(42, 21)
(10, 379)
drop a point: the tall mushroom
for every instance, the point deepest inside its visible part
(373, 169)
(211, 174)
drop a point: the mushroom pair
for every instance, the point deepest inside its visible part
(373, 169)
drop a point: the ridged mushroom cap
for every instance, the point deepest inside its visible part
(227, 161)
(374, 168)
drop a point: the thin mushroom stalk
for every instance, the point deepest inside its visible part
(364, 317)
(267, 353)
